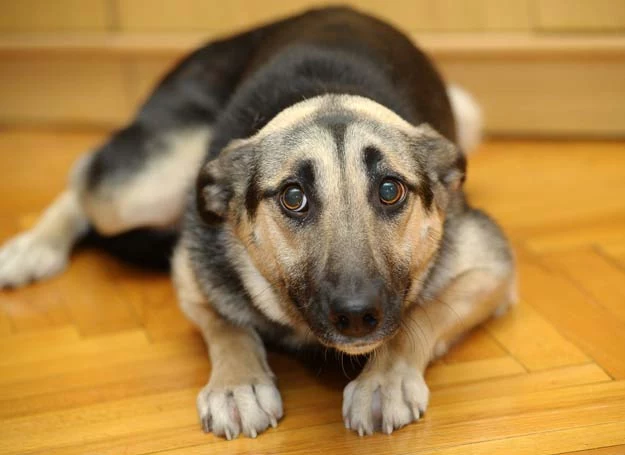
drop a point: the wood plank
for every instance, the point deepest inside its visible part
(94, 352)
(522, 383)
(599, 278)
(38, 341)
(612, 450)
(85, 293)
(61, 344)
(476, 370)
(102, 384)
(153, 300)
(34, 308)
(591, 327)
(478, 345)
(568, 237)
(433, 436)
(546, 443)
(584, 436)
(551, 205)
(22, 178)
(529, 413)
(89, 366)
(615, 251)
(532, 340)
(5, 323)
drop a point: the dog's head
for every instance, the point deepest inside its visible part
(339, 204)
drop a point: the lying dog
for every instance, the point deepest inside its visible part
(328, 210)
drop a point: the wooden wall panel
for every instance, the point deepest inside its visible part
(544, 97)
(547, 96)
(55, 15)
(62, 90)
(580, 15)
(218, 17)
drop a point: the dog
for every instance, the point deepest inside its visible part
(312, 171)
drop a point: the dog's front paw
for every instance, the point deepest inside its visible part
(29, 257)
(384, 400)
(247, 409)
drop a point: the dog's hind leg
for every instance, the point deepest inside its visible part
(43, 251)
(139, 178)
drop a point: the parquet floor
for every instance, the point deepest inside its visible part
(100, 360)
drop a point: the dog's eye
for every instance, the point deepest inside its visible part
(293, 199)
(392, 191)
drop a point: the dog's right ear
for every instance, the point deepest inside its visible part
(219, 180)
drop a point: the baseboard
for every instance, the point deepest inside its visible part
(528, 85)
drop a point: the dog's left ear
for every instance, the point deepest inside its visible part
(220, 180)
(443, 161)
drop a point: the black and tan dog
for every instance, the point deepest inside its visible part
(315, 169)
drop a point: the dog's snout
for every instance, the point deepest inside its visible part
(356, 323)
(357, 316)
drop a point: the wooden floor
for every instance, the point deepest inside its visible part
(101, 361)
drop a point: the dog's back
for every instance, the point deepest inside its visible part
(335, 50)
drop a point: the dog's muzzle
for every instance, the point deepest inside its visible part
(359, 315)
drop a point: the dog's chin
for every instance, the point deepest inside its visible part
(352, 348)
(358, 349)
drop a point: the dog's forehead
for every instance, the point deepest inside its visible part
(333, 132)
(350, 105)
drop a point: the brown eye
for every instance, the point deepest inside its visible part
(391, 191)
(293, 199)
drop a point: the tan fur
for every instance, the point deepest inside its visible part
(473, 281)
(277, 250)
(241, 395)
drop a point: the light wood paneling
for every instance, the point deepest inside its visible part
(57, 15)
(526, 86)
(545, 96)
(580, 15)
(63, 89)
(219, 17)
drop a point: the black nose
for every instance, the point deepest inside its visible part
(357, 316)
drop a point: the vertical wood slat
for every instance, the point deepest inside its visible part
(70, 89)
(414, 15)
(579, 15)
(25, 16)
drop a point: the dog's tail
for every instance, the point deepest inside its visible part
(468, 117)
(146, 248)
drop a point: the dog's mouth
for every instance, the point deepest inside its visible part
(355, 346)
(352, 348)
(359, 348)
